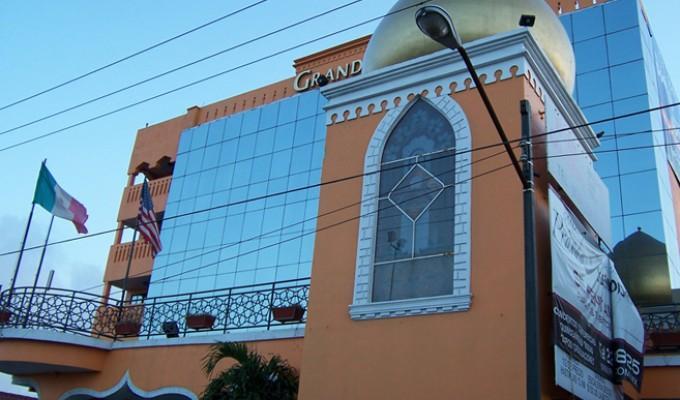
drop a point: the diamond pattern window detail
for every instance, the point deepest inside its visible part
(415, 192)
(415, 224)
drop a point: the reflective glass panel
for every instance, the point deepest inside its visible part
(234, 232)
(624, 46)
(621, 14)
(640, 192)
(588, 23)
(590, 54)
(593, 88)
(628, 80)
(415, 224)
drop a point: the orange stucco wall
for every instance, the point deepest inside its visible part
(51, 354)
(661, 383)
(468, 355)
(156, 367)
(571, 5)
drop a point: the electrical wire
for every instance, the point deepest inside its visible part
(317, 217)
(181, 67)
(401, 166)
(166, 278)
(205, 79)
(338, 180)
(128, 57)
(320, 229)
(169, 278)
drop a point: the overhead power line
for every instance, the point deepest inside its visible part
(352, 205)
(330, 226)
(205, 79)
(133, 55)
(299, 223)
(181, 67)
(338, 180)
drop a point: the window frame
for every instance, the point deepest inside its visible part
(363, 307)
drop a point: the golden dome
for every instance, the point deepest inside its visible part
(398, 38)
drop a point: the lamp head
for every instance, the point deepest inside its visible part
(322, 80)
(436, 23)
(527, 20)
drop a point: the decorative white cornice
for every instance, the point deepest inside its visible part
(662, 360)
(497, 57)
(107, 344)
(126, 381)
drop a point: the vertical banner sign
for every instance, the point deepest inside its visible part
(598, 333)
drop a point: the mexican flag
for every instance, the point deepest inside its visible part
(55, 200)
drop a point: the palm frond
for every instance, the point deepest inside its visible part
(222, 350)
(252, 377)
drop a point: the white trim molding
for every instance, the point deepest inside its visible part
(125, 387)
(662, 360)
(496, 58)
(277, 333)
(362, 306)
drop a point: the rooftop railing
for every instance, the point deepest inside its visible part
(662, 325)
(254, 307)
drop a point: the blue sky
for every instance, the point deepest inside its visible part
(45, 43)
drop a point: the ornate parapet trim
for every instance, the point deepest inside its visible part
(125, 387)
(501, 57)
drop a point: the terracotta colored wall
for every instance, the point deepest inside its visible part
(661, 383)
(157, 367)
(29, 352)
(156, 141)
(675, 190)
(468, 355)
(571, 5)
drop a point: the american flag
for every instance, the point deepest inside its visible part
(146, 221)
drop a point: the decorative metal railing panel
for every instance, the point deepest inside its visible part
(224, 310)
(662, 321)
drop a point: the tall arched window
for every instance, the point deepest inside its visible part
(414, 239)
(413, 243)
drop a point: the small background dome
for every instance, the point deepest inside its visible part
(641, 262)
(398, 38)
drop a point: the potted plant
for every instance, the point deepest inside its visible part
(200, 320)
(127, 327)
(5, 315)
(293, 312)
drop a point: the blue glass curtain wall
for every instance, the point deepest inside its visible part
(222, 225)
(611, 80)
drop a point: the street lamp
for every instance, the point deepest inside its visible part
(436, 23)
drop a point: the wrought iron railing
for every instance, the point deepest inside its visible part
(662, 328)
(661, 319)
(224, 310)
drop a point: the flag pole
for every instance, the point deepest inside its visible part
(42, 255)
(21, 254)
(37, 273)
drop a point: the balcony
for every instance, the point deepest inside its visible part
(662, 325)
(243, 308)
(129, 205)
(140, 267)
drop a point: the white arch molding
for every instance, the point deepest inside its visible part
(362, 306)
(125, 389)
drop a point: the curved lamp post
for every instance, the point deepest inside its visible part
(436, 23)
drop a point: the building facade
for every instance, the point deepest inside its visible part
(619, 71)
(381, 205)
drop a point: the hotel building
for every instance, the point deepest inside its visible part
(382, 206)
